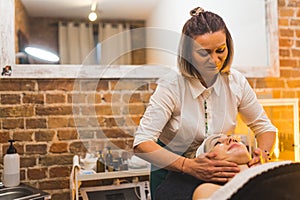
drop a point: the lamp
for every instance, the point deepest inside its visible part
(93, 14)
(42, 54)
(26, 56)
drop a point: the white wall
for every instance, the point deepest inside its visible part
(169, 16)
(7, 27)
(246, 20)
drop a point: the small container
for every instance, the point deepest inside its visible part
(11, 167)
(100, 166)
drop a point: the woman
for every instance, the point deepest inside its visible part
(226, 148)
(274, 180)
(203, 99)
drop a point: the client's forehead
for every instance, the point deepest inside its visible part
(212, 140)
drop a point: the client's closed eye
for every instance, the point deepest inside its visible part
(217, 143)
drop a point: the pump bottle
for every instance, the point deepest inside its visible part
(11, 167)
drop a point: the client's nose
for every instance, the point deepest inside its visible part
(230, 140)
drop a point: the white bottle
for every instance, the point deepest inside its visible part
(11, 167)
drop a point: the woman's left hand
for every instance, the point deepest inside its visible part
(259, 157)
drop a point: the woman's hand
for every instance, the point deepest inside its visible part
(259, 157)
(207, 169)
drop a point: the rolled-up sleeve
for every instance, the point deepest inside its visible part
(252, 112)
(158, 113)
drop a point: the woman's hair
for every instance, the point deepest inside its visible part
(200, 23)
(207, 145)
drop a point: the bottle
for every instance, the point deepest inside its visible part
(100, 166)
(109, 160)
(11, 167)
(124, 160)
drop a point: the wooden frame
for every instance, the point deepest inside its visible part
(288, 102)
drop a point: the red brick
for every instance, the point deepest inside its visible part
(17, 111)
(60, 122)
(62, 159)
(283, 22)
(281, 3)
(19, 147)
(133, 120)
(295, 22)
(33, 98)
(36, 123)
(13, 123)
(60, 195)
(55, 98)
(115, 133)
(132, 98)
(59, 147)
(86, 134)
(130, 85)
(106, 110)
(36, 174)
(102, 85)
(45, 135)
(298, 33)
(286, 32)
(17, 85)
(135, 109)
(36, 149)
(60, 171)
(288, 62)
(10, 99)
(67, 134)
(284, 52)
(23, 135)
(296, 53)
(4, 136)
(286, 42)
(29, 161)
(62, 85)
(54, 184)
(53, 110)
(76, 147)
(286, 12)
(77, 98)
(115, 121)
(293, 83)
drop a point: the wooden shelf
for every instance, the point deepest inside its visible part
(112, 175)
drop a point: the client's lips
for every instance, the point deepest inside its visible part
(234, 145)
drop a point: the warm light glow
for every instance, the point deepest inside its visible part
(276, 148)
(42, 54)
(92, 16)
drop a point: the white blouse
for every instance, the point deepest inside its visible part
(176, 114)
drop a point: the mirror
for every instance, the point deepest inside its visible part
(162, 15)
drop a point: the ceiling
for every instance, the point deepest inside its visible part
(107, 9)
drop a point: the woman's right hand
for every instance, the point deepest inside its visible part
(206, 168)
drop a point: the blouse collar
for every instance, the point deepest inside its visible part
(197, 88)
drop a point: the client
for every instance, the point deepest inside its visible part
(256, 182)
(227, 148)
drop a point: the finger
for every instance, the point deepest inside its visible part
(210, 155)
(223, 163)
(224, 174)
(219, 180)
(254, 161)
(257, 151)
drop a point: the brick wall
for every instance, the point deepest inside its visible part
(52, 121)
(39, 113)
(288, 84)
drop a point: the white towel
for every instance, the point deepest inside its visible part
(242, 178)
(73, 178)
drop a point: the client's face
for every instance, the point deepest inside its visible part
(228, 148)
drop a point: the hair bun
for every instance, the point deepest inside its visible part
(196, 11)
